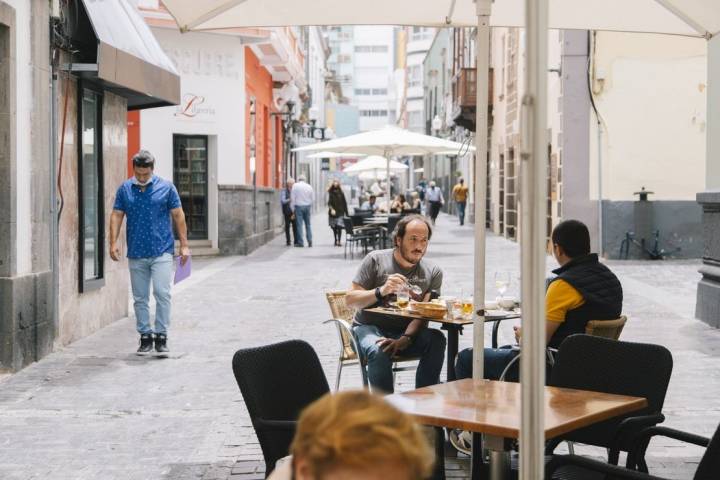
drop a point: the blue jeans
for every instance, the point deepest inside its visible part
(428, 344)
(160, 271)
(495, 361)
(302, 217)
(461, 212)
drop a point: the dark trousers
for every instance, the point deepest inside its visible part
(434, 210)
(290, 224)
(495, 361)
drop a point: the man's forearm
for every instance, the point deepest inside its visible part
(360, 298)
(115, 222)
(415, 326)
(181, 228)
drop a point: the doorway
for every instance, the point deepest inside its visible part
(190, 171)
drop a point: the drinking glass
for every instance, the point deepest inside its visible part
(502, 282)
(403, 297)
(467, 307)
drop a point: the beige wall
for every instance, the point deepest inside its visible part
(651, 92)
(84, 313)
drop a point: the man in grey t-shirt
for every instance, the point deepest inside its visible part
(381, 274)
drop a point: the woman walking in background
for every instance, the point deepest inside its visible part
(337, 209)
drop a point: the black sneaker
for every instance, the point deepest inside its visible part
(146, 344)
(161, 343)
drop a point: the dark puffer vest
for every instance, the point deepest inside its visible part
(600, 289)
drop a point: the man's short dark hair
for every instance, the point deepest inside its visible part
(573, 237)
(402, 224)
(143, 158)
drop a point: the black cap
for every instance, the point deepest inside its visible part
(144, 159)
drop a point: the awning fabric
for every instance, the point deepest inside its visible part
(130, 61)
(698, 18)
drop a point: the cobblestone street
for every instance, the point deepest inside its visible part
(95, 410)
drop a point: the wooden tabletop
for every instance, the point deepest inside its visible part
(493, 408)
(490, 315)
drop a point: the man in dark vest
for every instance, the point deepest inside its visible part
(582, 290)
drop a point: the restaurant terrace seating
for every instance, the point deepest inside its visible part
(277, 381)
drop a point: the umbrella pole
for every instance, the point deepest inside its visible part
(482, 43)
(533, 180)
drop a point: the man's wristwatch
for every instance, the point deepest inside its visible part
(409, 337)
(378, 294)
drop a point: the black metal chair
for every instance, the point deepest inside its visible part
(599, 364)
(277, 381)
(355, 236)
(567, 467)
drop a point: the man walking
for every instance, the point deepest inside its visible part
(288, 213)
(459, 194)
(150, 203)
(381, 274)
(301, 200)
(436, 201)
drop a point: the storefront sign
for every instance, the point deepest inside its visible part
(192, 106)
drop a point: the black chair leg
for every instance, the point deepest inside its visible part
(439, 469)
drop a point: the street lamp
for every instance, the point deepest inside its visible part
(436, 124)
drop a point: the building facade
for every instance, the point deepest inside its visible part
(63, 146)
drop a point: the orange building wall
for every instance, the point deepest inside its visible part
(133, 135)
(259, 84)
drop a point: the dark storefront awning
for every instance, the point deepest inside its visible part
(118, 51)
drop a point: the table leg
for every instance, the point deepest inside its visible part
(477, 466)
(499, 449)
(496, 327)
(452, 349)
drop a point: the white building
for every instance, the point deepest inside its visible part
(373, 67)
(419, 40)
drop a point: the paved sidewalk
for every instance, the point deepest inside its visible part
(95, 410)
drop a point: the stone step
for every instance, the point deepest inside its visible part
(200, 248)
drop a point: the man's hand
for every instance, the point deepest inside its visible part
(392, 284)
(115, 251)
(184, 255)
(392, 347)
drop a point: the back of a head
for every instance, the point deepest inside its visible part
(573, 237)
(302, 178)
(357, 431)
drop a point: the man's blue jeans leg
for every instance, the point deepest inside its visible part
(429, 345)
(495, 361)
(302, 218)
(159, 272)
(461, 212)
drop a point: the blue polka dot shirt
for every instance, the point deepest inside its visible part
(149, 222)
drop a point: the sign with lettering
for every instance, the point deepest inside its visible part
(192, 106)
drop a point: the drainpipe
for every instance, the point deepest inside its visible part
(53, 206)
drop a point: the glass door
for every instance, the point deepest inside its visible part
(190, 171)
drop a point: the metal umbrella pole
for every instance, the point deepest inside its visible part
(482, 51)
(533, 180)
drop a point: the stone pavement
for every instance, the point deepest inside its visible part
(95, 410)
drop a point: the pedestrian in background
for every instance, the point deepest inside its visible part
(302, 197)
(151, 205)
(435, 200)
(337, 209)
(287, 212)
(459, 195)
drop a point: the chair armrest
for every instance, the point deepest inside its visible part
(630, 427)
(558, 461)
(636, 457)
(275, 425)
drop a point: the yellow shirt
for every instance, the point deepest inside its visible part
(559, 299)
(460, 193)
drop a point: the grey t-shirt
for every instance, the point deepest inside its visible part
(379, 264)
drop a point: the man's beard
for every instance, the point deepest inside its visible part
(404, 253)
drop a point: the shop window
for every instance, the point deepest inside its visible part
(91, 195)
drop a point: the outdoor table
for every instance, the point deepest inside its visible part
(492, 408)
(397, 318)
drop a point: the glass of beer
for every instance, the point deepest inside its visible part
(403, 297)
(467, 307)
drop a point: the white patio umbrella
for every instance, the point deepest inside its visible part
(698, 18)
(374, 163)
(336, 155)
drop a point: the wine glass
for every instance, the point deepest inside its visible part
(502, 282)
